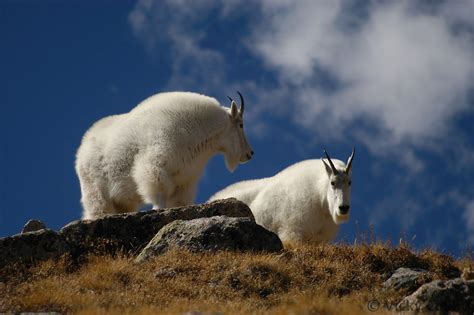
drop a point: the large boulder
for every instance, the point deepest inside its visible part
(130, 232)
(210, 234)
(407, 279)
(33, 246)
(121, 233)
(441, 296)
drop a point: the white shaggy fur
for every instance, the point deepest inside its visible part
(304, 203)
(156, 153)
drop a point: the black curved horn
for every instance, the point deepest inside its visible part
(230, 98)
(242, 107)
(334, 170)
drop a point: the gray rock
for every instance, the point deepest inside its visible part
(215, 233)
(130, 232)
(408, 279)
(31, 247)
(441, 296)
(127, 233)
(32, 226)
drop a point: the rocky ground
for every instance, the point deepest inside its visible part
(215, 258)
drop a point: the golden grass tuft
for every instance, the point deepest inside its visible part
(328, 279)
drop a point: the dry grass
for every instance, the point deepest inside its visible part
(331, 279)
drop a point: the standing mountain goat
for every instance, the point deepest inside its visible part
(156, 153)
(305, 202)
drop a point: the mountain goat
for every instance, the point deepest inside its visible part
(156, 153)
(304, 203)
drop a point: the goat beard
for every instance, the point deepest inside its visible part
(231, 164)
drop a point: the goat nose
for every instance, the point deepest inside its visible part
(344, 209)
(251, 152)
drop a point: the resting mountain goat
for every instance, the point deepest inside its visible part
(304, 203)
(156, 153)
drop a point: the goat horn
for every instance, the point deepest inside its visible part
(242, 107)
(334, 170)
(349, 162)
(230, 98)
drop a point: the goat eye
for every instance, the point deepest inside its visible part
(350, 182)
(241, 125)
(333, 183)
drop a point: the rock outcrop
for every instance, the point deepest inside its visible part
(33, 246)
(33, 226)
(408, 279)
(130, 232)
(441, 296)
(121, 233)
(211, 234)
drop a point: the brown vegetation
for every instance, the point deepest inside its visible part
(330, 279)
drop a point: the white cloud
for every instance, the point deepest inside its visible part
(294, 37)
(403, 71)
(458, 12)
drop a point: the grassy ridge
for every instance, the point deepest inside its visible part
(332, 279)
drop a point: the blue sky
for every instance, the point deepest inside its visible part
(395, 79)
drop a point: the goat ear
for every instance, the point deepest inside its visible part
(234, 111)
(328, 168)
